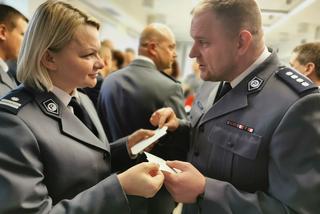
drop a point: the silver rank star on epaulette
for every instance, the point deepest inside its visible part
(295, 80)
(13, 102)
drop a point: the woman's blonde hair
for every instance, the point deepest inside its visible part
(51, 28)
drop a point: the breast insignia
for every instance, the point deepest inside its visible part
(295, 80)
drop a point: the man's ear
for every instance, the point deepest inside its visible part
(48, 60)
(3, 32)
(309, 68)
(152, 48)
(244, 41)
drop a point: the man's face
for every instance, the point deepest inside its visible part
(212, 47)
(296, 64)
(13, 39)
(166, 53)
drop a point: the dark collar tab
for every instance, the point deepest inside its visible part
(295, 80)
(51, 107)
(255, 84)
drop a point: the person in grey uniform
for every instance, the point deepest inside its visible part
(305, 58)
(129, 96)
(50, 161)
(254, 140)
(13, 25)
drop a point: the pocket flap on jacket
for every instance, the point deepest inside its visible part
(236, 141)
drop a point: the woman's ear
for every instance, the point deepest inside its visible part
(48, 60)
(245, 39)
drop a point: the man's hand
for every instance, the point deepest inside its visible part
(138, 136)
(186, 185)
(165, 117)
(144, 179)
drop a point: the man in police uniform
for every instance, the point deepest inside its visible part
(255, 147)
(306, 59)
(12, 28)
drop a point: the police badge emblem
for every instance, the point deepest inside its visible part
(51, 106)
(255, 83)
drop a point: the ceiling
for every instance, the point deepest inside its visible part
(287, 23)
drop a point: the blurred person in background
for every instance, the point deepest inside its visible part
(129, 96)
(117, 60)
(191, 85)
(129, 55)
(306, 59)
(174, 70)
(107, 43)
(13, 25)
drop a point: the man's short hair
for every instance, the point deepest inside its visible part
(9, 15)
(309, 52)
(234, 14)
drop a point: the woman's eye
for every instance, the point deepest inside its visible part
(88, 55)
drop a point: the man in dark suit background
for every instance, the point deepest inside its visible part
(12, 28)
(129, 96)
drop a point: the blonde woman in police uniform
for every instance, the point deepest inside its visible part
(50, 162)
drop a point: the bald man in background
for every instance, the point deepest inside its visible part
(12, 28)
(129, 96)
(306, 59)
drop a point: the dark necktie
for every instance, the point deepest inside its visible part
(82, 114)
(224, 88)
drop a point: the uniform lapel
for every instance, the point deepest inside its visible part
(237, 98)
(5, 78)
(232, 101)
(70, 125)
(203, 101)
(86, 103)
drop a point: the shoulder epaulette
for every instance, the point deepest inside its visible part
(295, 80)
(15, 100)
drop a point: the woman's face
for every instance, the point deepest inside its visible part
(77, 64)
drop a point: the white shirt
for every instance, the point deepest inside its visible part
(145, 59)
(64, 97)
(265, 54)
(4, 66)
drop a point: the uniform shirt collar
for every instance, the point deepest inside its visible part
(63, 96)
(3, 65)
(265, 54)
(145, 59)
